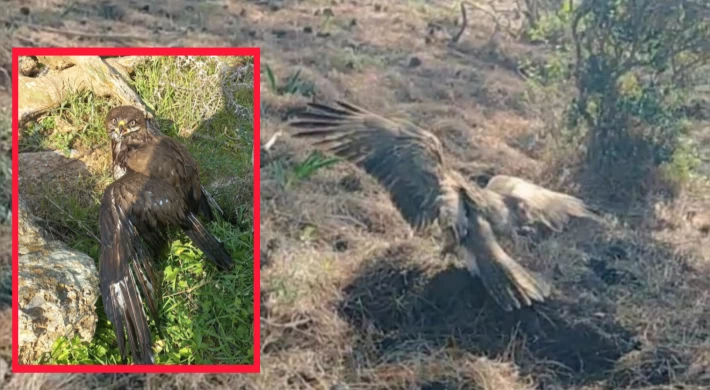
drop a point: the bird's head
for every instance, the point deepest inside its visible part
(124, 122)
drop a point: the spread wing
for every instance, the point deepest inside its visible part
(125, 268)
(408, 161)
(404, 158)
(553, 209)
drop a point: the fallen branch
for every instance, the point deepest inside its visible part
(189, 290)
(264, 150)
(463, 25)
(109, 37)
(269, 144)
(40, 94)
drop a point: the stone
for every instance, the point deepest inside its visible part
(58, 290)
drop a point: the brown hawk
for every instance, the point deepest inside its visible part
(157, 187)
(409, 162)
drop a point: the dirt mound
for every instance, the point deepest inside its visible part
(402, 305)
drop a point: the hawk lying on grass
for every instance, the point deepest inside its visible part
(157, 187)
(409, 162)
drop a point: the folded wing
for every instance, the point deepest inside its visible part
(126, 272)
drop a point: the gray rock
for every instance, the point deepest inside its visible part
(36, 165)
(4, 371)
(58, 289)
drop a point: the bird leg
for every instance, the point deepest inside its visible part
(451, 241)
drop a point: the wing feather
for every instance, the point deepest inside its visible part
(126, 271)
(124, 267)
(553, 209)
(404, 158)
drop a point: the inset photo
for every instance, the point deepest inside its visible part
(134, 246)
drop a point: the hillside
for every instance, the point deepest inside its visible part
(350, 297)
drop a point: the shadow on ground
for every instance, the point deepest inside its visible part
(408, 305)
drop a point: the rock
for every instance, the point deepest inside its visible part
(4, 370)
(36, 164)
(56, 63)
(5, 190)
(279, 33)
(28, 66)
(700, 221)
(58, 290)
(414, 62)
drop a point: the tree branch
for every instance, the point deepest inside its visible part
(463, 25)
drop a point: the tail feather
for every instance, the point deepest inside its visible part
(208, 207)
(208, 244)
(508, 283)
(211, 202)
(511, 285)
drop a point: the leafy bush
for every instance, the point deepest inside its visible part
(551, 27)
(634, 64)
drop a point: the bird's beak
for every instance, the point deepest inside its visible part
(121, 127)
(117, 133)
(121, 130)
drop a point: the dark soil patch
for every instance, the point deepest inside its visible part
(444, 307)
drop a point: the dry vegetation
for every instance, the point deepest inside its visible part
(349, 298)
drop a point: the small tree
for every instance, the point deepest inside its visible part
(635, 63)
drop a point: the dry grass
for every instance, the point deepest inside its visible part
(6, 333)
(349, 296)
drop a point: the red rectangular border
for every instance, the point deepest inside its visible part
(100, 51)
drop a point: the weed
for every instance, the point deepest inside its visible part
(289, 176)
(294, 85)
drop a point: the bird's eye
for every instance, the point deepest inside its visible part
(114, 121)
(132, 123)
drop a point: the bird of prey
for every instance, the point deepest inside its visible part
(409, 162)
(157, 187)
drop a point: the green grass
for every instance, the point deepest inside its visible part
(206, 315)
(76, 124)
(288, 176)
(293, 85)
